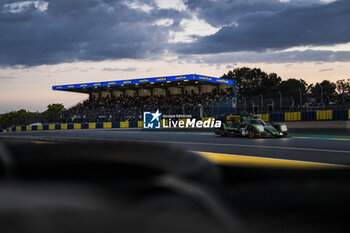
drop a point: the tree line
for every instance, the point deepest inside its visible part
(255, 82)
(24, 117)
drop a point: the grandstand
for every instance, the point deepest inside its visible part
(125, 99)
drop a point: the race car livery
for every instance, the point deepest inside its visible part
(252, 127)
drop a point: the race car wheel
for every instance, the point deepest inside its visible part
(223, 134)
(251, 132)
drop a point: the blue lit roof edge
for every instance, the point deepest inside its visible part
(145, 80)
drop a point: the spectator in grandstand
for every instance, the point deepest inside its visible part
(122, 108)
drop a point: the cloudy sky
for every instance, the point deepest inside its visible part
(49, 42)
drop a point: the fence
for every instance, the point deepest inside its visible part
(220, 109)
(262, 104)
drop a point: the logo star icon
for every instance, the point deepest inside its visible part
(155, 115)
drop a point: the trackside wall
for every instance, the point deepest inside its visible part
(322, 115)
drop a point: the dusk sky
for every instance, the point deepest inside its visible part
(45, 43)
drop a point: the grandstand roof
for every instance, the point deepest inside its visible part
(87, 87)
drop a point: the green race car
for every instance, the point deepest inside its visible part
(252, 127)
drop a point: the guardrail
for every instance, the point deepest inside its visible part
(311, 115)
(67, 126)
(318, 115)
(268, 117)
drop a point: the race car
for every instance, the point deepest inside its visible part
(252, 127)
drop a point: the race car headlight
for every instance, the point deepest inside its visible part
(283, 128)
(260, 128)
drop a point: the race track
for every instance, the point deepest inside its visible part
(318, 149)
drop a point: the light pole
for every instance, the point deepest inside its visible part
(343, 93)
(273, 105)
(280, 100)
(300, 97)
(262, 103)
(293, 103)
(245, 103)
(321, 94)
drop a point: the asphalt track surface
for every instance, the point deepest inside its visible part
(299, 148)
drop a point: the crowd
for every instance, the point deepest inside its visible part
(131, 108)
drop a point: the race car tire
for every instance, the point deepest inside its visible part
(223, 134)
(251, 132)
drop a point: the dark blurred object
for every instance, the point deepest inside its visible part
(107, 187)
(136, 187)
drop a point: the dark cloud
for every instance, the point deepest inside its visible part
(226, 12)
(81, 30)
(97, 30)
(277, 27)
(273, 57)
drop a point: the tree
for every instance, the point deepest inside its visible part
(343, 88)
(329, 91)
(290, 88)
(53, 111)
(14, 118)
(253, 82)
(23, 117)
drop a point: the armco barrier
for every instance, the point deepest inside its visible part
(268, 117)
(304, 116)
(65, 126)
(276, 117)
(292, 116)
(324, 115)
(92, 125)
(115, 125)
(308, 116)
(85, 126)
(341, 114)
(107, 125)
(133, 124)
(99, 125)
(124, 124)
